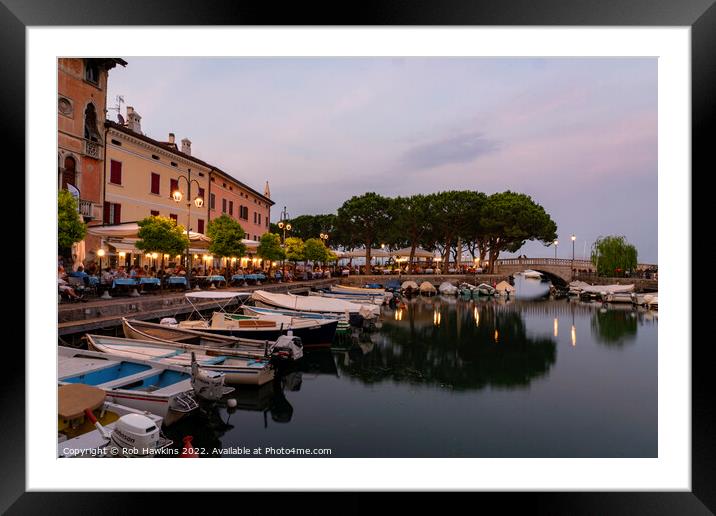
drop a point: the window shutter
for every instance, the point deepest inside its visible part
(105, 216)
(117, 213)
(173, 186)
(155, 183)
(200, 226)
(115, 173)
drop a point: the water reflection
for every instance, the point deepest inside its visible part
(615, 327)
(463, 345)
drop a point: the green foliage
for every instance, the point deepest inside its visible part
(226, 235)
(273, 228)
(270, 247)
(510, 219)
(294, 249)
(161, 235)
(315, 251)
(364, 220)
(70, 228)
(311, 226)
(611, 253)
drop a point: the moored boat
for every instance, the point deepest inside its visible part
(271, 313)
(378, 299)
(237, 370)
(139, 383)
(91, 426)
(355, 312)
(483, 289)
(447, 288)
(427, 289)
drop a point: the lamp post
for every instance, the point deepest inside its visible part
(573, 239)
(285, 226)
(324, 238)
(556, 243)
(199, 202)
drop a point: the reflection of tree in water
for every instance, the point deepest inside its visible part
(455, 346)
(614, 327)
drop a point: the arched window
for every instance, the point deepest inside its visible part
(91, 71)
(91, 131)
(69, 172)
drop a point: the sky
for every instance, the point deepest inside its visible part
(579, 135)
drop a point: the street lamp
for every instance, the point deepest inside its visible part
(285, 226)
(556, 243)
(199, 202)
(573, 239)
(100, 253)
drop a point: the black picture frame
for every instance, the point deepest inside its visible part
(700, 15)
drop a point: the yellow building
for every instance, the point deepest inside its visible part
(142, 174)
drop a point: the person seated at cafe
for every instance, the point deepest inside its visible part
(79, 273)
(121, 273)
(64, 287)
(107, 277)
(180, 271)
(138, 272)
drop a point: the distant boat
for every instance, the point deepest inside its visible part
(529, 273)
(483, 289)
(447, 288)
(409, 287)
(357, 290)
(427, 289)
(504, 288)
(377, 299)
(272, 313)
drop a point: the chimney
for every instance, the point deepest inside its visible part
(186, 146)
(134, 120)
(267, 191)
(171, 138)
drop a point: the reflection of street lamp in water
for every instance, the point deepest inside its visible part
(556, 327)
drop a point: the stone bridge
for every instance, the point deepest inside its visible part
(559, 270)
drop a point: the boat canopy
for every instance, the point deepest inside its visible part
(203, 294)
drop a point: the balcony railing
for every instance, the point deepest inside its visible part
(86, 209)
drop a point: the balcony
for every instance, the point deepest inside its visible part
(86, 210)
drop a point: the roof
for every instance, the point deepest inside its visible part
(173, 149)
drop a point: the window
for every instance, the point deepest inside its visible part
(223, 205)
(267, 222)
(154, 213)
(173, 164)
(259, 219)
(68, 174)
(155, 183)
(200, 225)
(91, 71)
(112, 213)
(231, 208)
(246, 236)
(254, 217)
(117, 143)
(174, 217)
(154, 156)
(91, 131)
(173, 186)
(115, 172)
(212, 201)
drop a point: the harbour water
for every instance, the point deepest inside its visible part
(454, 377)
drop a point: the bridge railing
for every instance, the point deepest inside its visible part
(578, 264)
(544, 261)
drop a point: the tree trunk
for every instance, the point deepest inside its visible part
(412, 256)
(367, 258)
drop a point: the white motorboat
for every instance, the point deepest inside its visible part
(139, 383)
(91, 426)
(355, 312)
(427, 289)
(352, 298)
(503, 288)
(529, 273)
(447, 288)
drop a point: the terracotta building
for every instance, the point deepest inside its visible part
(81, 110)
(228, 195)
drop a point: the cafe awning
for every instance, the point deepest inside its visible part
(419, 253)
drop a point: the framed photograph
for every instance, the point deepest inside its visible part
(415, 250)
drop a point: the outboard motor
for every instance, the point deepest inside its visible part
(287, 347)
(134, 435)
(208, 385)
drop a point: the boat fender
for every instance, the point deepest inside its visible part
(188, 451)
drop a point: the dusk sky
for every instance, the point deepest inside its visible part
(578, 135)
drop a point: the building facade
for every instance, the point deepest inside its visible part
(81, 110)
(229, 196)
(142, 174)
